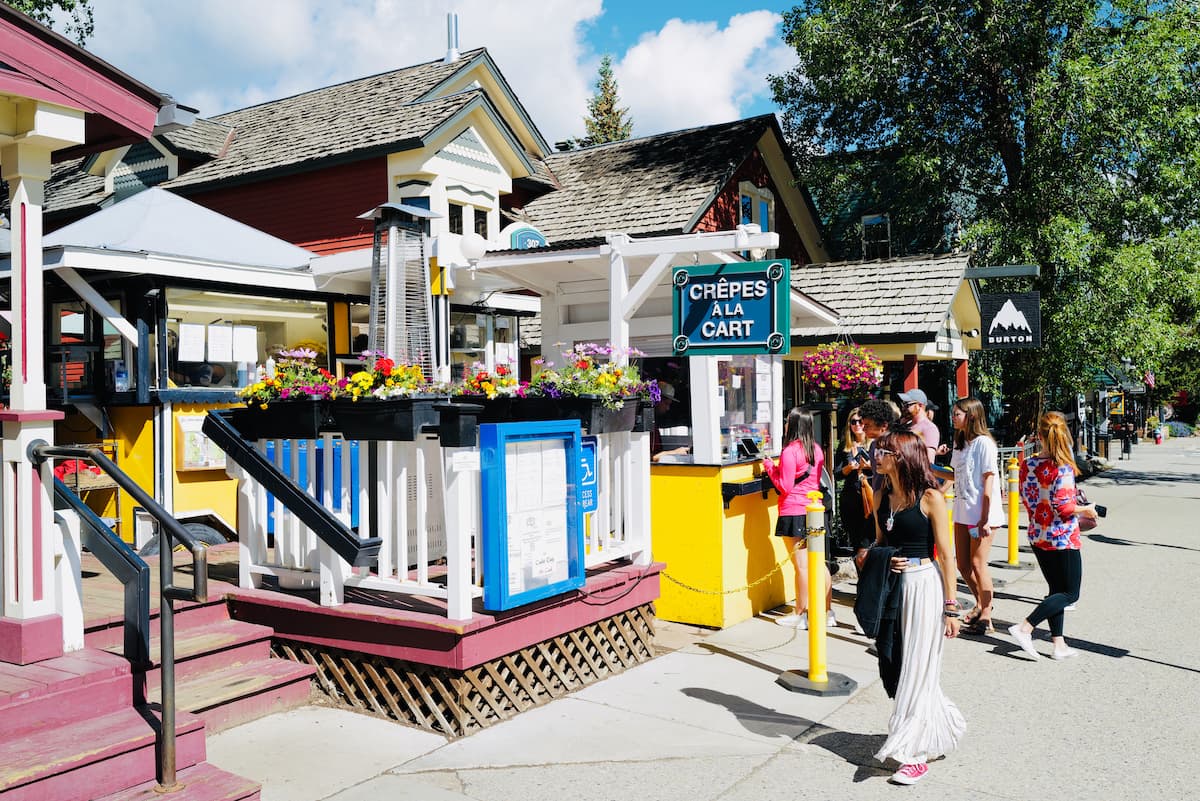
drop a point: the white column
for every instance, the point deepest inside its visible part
(618, 288)
(26, 168)
(707, 407)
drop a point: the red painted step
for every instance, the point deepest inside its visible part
(54, 692)
(109, 633)
(241, 693)
(93, 756)
(203, 782)
(201, 649)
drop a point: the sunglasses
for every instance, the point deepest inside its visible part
(884, 452)
(856, 422)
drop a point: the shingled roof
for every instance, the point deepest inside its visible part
(652, 185)
(359, 116)
(892, 299)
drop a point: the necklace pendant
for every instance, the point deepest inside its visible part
(890, 522)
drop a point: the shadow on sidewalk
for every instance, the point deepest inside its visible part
(857, 749)
(1118, 541)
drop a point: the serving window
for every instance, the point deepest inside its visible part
(219, 339)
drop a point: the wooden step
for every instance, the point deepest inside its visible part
(96, 755)
(201, 649)
(241, 693)
(53, 692)
(203, 782)
(109, 633)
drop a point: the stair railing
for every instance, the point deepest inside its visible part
(171, 532)
(128, 568)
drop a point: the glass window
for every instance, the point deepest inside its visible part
(481, 226)
(71, 355)
(218, 339)
(455, 220)
(746, 384)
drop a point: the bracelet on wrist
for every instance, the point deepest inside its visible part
(950, 614)
(952, 603)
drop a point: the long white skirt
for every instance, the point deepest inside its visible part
(925, 723)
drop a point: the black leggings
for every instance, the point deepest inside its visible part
(1064, 573)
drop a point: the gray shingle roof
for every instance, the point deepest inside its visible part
(894, 298)
(654, 184)
(373, 113)
(202, 137)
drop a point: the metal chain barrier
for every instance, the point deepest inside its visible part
(751, 585)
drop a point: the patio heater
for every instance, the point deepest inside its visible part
(401, 310)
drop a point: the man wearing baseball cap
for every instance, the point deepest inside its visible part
(914, 402)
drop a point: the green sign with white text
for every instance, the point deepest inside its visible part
(720, 309)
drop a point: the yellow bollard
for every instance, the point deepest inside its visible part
(1014, 503)
(815, 523)
(817, 680)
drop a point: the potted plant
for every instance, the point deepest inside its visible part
(501, 395)
(289, 400)
(841, 368)
(386, 400)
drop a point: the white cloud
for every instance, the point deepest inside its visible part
(219, 55)
(696, 73)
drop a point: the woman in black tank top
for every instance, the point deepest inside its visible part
(910, 515)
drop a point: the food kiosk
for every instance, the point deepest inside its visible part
(712, 510)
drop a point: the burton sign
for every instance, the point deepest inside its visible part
(1011, 321)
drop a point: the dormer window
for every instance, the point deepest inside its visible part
(757, 205)
(455, 218)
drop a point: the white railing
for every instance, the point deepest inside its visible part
(427, 507)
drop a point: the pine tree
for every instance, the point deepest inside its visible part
(606, 122)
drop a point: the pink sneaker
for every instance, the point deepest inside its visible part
(910, 774)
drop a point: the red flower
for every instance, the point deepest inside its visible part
(502, 370)
(1047, 471)
(1043, 514)
(582, 364)
(384, 366)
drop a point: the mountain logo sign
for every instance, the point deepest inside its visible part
(1011, 321)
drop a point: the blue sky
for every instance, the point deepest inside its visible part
(678, 64)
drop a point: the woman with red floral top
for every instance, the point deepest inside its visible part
(1048, 491)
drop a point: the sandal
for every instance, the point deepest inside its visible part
(973, 616)
(979, 627)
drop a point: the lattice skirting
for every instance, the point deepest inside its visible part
(459, 702)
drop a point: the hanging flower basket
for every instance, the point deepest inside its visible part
(841, 368)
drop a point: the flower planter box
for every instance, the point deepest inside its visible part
(593, 416)
(292, 419)
(596, 418)
(392, 419)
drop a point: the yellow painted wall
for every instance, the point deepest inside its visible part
(133, 433)
(717, 551)
(203, 489)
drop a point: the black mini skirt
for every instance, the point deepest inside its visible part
(791, 526)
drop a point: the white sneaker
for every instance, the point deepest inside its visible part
(1024, 640)
(830, 620)
(793, 621)
(1069, 608)
(1065, 653)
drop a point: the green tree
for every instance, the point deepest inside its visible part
(606, 120)
(1059, 132)
(79, 27)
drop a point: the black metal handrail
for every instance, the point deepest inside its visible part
(128, 568)
(328, 528)
(171, 531)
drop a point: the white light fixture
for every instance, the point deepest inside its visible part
(473, 248)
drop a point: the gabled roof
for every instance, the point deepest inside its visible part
(655, 184)
(156, 221)
(206, 138)
(894, 299)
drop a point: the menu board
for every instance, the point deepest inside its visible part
(532, 534)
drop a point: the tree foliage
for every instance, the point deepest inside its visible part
(606, 120)
(1064, 133)
(79, 26)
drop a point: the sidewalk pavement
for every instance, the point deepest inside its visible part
(706, 721)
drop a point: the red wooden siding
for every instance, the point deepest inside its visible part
(317, 210)
(725, 212)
